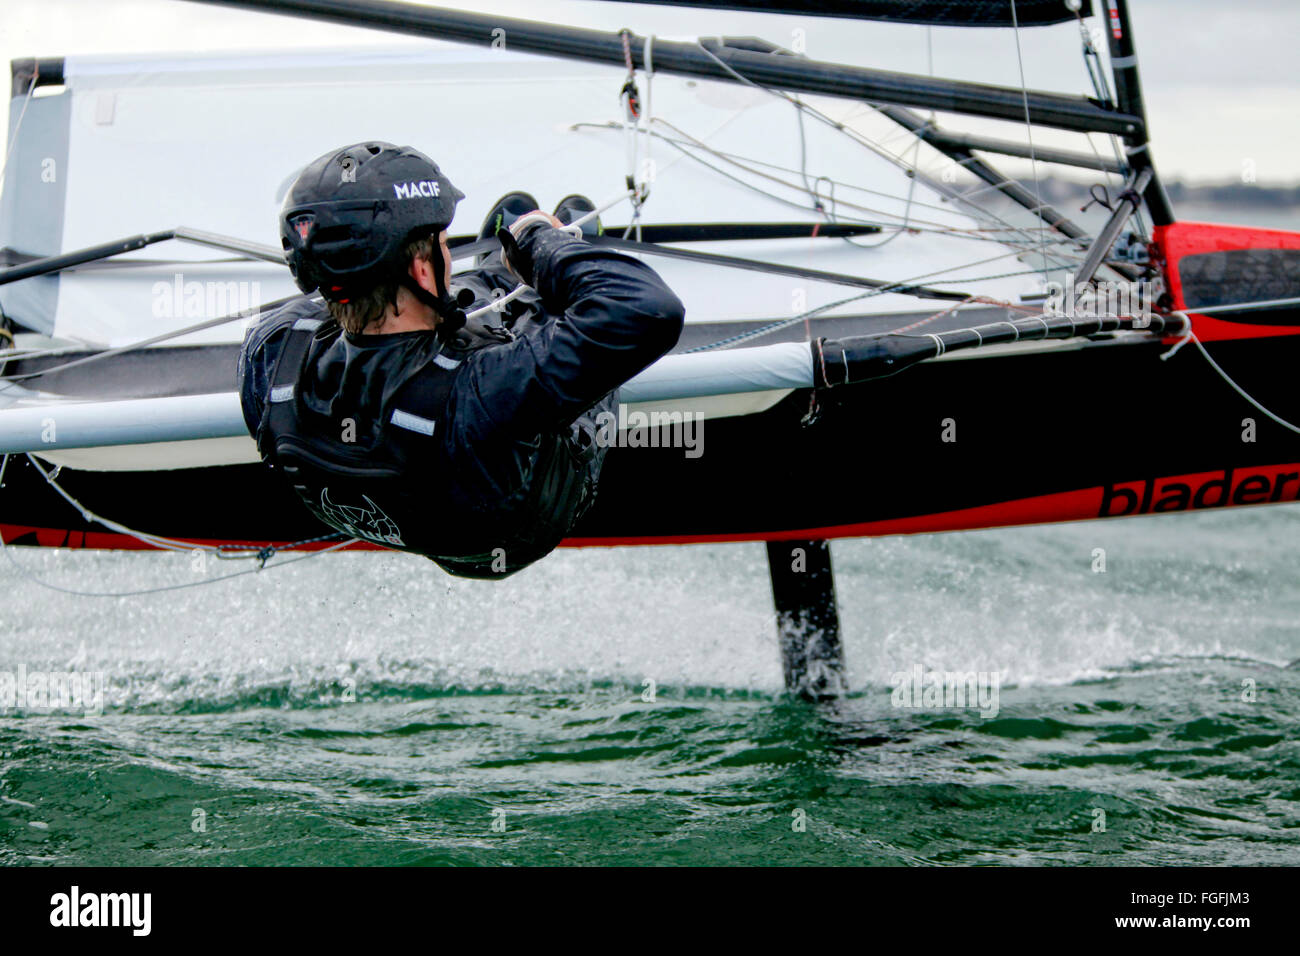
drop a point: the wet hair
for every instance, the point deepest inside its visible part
(366, 307)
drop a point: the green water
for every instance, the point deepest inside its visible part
(504, 724)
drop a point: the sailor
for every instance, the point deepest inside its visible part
(396, 421)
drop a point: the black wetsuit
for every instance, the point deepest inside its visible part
(479, 453)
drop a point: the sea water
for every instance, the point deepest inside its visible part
(624, 706)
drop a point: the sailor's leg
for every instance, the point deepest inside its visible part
(503, 213)
(588, 432)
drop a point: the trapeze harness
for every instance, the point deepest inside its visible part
(373, 460)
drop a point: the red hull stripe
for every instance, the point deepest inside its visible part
(1267, 484)
(1232, 487)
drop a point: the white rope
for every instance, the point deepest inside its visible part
(156, 541)
(630, 97)
(915, 161)
(1187, 337)
(498, 304)
(575, 229)
(102, 354)
(866, 142)
(1031, 242)
(155, 590)
(632, 141)
(13, 140)
(1029, 133)
(733, 160)
(647, 57)
(1191, 337)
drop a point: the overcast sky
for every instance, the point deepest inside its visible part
(1222, 79)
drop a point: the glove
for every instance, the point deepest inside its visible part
(517, 260)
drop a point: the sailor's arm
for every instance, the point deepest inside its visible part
(615, 317)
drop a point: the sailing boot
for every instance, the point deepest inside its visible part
(505, 211)
(575, 207)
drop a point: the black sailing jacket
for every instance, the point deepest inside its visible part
(480, 457)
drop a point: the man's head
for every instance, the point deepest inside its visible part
(394, 295)
(366, 225)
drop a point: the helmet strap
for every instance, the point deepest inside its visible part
(453, 317)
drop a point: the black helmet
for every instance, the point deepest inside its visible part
(348, 215)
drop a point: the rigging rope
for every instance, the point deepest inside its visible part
(13, 139)
(637, 191)
(4, 169)
(865, 142)
(731, 158)
(630, 98)
(1191, 337)
(496, 305)
(1100, 86)
(1029, 132)
(811, 111)
(911, 180)
(812, 313)
(915, 226)
(648, 60)
(262, 555)
(163, 542)
(153, 339)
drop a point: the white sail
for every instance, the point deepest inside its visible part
(140, 144)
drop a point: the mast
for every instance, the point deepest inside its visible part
(1128, 96)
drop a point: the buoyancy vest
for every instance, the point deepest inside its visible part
(363, 440)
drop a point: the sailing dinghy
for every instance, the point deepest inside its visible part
(870, 348)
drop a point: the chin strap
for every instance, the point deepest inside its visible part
(448, 308)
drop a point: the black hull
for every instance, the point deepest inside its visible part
(1051, 434)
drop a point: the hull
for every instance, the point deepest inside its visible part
(1019, 435)
(1039, 432)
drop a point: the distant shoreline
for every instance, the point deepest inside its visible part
(1234, 194)
(1060, 191)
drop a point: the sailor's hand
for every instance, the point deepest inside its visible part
(517, 262)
